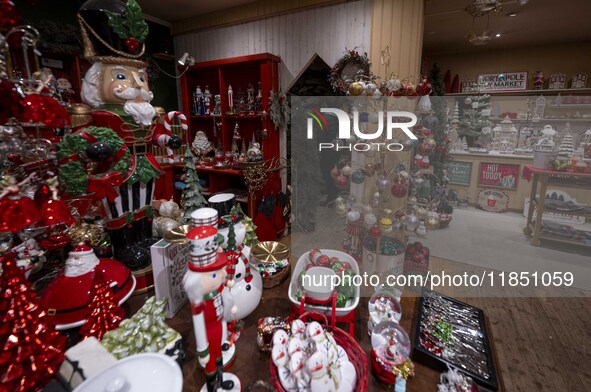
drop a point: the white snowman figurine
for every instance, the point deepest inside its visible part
(298, 329)
(297, 364)
(281, 361)
(315, 334)
(320, 376)
(248, 285)
(280, 338)
(295, 345)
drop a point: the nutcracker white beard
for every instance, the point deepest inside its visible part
(142, 112)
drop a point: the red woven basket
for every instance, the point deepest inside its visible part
(356, 354)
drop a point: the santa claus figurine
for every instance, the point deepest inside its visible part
(67, 297)
(117, 90)
(204, 282)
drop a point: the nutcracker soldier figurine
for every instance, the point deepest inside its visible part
(116, 88)
(204, 282)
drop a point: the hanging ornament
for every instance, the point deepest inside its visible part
(371, 89)
(342, 182)
(382, 183)
(370, 219)
(397, 224)
(399, 188)
(408, 88)
(421, 212)
(375, 231)
(411, 222)
(357, 177)
(432, 223)
(424, 88)
(468, 100)
(346, 170)
(335, 172)
(369, 169)
(356, 88)
(353, 216)
(375, 202)
(412, 200)
(386, 224)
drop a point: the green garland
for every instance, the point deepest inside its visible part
(341, 86)
(74, 173)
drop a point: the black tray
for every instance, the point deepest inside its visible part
(421, 355)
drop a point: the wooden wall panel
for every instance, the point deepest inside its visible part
(295, 37)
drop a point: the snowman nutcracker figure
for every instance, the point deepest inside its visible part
(204, 282)
(116, 89)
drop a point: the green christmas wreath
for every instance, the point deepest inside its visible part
(350, 68)
(74, 167)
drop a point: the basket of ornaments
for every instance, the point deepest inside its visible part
(416, 259)
(317, 357)
(324, 278)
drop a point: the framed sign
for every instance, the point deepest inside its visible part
(557, 81)
(459, 172)
(468, 86)
(492, 200)
(52, 63)
(504, 81)
(579, 80)
(498, 175)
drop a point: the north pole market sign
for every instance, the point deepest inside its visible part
(510, 81)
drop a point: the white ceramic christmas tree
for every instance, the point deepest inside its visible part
(567, 147)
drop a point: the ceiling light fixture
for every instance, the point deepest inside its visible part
(478, 8)
(498, 35)
(512, 14)
(479, 39)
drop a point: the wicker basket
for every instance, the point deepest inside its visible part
(354, 351)
(277, 279)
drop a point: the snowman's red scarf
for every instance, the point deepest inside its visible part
(234, 258)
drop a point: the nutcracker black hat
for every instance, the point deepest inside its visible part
(113, 32)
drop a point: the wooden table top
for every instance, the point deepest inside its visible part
(252, 365)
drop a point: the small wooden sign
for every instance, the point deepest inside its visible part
(557, 81)
(459, 172)
(579, 80)
(493, 200)
(468, 86)
(503, 81)
(498, 175)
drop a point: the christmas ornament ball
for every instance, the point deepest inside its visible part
(370, 219)
(169, 209)
(411, 221)
(382, 183)
(335, 172)
(342, 182)
(99, 151)
(412, 200)
(357, 177)
(386, 224)
(468, 101)
(421, 212)
(432, 223)
(353, 216)
(375, 231)
(346, 170)
(431, 142)
(356, 88)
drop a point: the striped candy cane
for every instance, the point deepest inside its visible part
(169, 121)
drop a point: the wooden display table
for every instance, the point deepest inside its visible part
(545, 177)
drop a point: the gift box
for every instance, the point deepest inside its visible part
(169, 264)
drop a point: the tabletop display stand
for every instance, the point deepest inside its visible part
(534, 225)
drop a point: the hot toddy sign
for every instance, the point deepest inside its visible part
(498, 175)
(509, 81)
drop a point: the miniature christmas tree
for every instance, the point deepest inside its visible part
(145, 332)
(251, 238)
(192, 197)
(436, 80)
(567, 147)
(32, 351)
(472, 120)
(106, 313)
